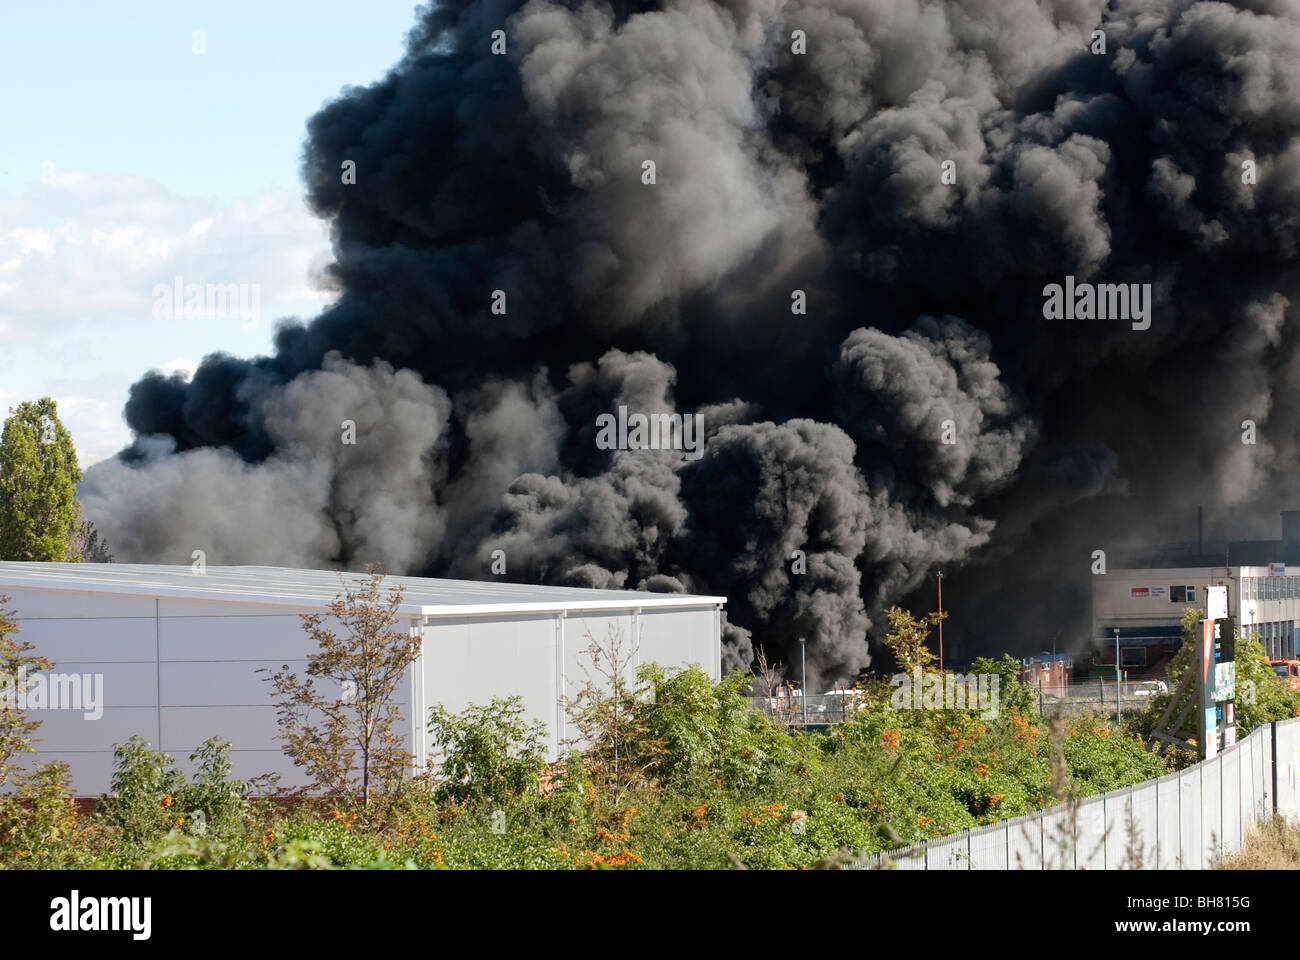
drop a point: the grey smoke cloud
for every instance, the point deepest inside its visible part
(774, 172)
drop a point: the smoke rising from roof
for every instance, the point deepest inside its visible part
(775, 172)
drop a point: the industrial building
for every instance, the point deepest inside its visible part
(176, 654)
(1145, 603)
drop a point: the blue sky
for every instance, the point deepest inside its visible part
(127, 159)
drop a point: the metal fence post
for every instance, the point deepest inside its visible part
(1272, 736)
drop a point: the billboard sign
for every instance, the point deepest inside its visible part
(1216, 603)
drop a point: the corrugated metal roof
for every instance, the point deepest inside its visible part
(315, 589)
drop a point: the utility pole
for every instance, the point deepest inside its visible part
(803, 657)
(941, 621)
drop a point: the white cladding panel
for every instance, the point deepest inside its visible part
(607, 631)
(92, 640)
(472, 660)
(679, 638)
(61, 604)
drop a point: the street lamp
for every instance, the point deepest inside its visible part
(940, 575)
(1117, 683)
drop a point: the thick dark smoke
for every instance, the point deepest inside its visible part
(825, 490)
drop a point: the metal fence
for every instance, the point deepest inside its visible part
(823, 708)
(1096, 696)
(1180, 821)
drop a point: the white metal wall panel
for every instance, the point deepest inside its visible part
(580, 630)
(175, 607)
(92, 640)
(69, 730)
(61, 604)
(251, 764)
(89, 771)
(679, 638)
(177, 671)
(234, 638)
(471, 660)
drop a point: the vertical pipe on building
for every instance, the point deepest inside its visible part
(418, 745)
(157, 668)
(560, 692)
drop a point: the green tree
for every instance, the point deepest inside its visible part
(907, 638)
(489, 753)
(16, 661)
(340, 739)
(1012, 691)
(38, 484)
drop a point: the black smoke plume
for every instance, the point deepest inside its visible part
(776, 171)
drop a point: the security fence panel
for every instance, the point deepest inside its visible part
(1260, 745)
(1191, 853)
(1118, 812)
(1230, 767)
(1288, 760)
(1090, 834)
(946, 853)
(909, 858)
(1026, 837)
(1059, 831)
(1249, 786)
(1184, 820)
(1168, 828)
(990, 847)
(1212, 842)
(1139, 835)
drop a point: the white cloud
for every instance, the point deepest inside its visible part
(79, 259)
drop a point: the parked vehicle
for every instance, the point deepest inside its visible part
(1288, 670)
(1150, 688)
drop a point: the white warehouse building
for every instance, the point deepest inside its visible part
(177, 654)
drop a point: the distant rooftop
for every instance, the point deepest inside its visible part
(316, 589)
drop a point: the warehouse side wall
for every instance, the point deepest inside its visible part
(545, 658)
(174, 672)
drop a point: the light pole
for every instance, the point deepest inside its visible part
(803, 658)
(1117, 684)
(940, 574)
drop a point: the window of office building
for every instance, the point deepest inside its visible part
(1133, 656)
